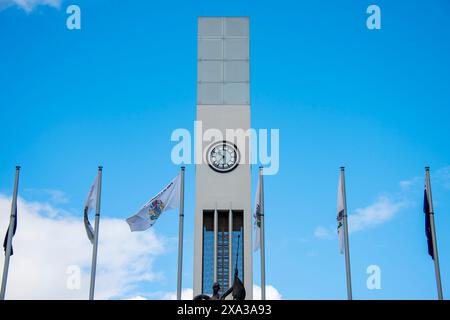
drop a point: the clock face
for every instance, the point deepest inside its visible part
(223, 156)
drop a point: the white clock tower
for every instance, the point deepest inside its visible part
(223, 217)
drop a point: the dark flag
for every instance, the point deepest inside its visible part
(426, 210)
(5, 242)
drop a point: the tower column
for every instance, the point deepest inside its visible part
(223, 217)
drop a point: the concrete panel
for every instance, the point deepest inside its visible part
(210, 26)
(237, 27)
(236, 49)
(210, 49)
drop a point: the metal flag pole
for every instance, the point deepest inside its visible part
(347, 252)
(180, 236)
(216, 228)
(97, 224)
(262, 244)
(12, 221)
(433, 235)
(230, 245)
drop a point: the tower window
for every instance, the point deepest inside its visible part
(225, 270)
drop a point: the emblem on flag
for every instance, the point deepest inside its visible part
(257, 215)
(155, 209)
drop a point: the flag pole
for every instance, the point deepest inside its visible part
(216, 228)
(180, 237)
(97, 223)
(347, 252)
(262, 244)
(12, 220)
(433, 235)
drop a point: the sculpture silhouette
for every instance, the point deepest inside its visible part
(237, 289)
(215, 295)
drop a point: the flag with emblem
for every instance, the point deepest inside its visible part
(168, 198)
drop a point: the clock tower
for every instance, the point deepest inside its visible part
(223, 217)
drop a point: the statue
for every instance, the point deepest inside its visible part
(237, 289)
(215, 295)
(216, 289)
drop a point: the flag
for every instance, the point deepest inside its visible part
(5, 242)
(426, 210)
(340, 216)
(90, 203)
(168, 198)
(257, 218)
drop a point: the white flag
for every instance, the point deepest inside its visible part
(90, 203)
(168, 198)
(257, 218)
(340, 216)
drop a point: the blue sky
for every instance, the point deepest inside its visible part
(376, 101)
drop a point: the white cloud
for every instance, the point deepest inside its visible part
(412, 184)
(137, 298)
(443, 177)
(186, 294)
(48, 241)
(384, 208)
(323, 233)
(271, 293)
(406, 184)
(29, 5)
(54, 196)
(375, 214)
(439, 177)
